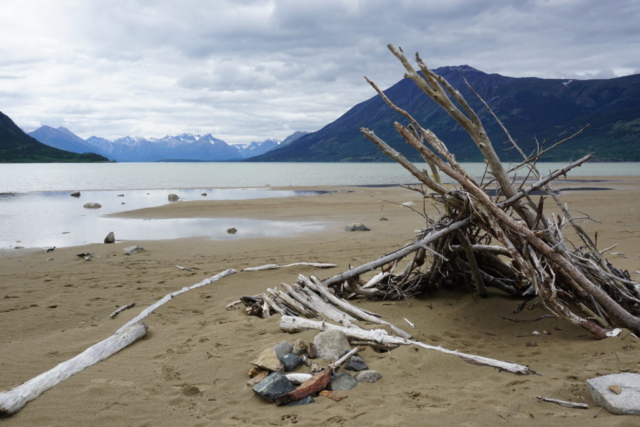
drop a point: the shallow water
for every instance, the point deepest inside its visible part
(46, 219)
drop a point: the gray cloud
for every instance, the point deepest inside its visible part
(252, 69)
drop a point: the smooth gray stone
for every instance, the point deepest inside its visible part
(304, 401)
(274, 386)
(291, 362)
(330, 345)
(356, 226)
(356, 363)
(625, 403)
(283, 348)
(92, 205)
(173, 197)
(368, 376)
(75, 194)
(299, 347)
(342, 381)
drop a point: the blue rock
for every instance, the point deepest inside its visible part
(291, 362)
(342, 381)
(274, 386)
(356, 363)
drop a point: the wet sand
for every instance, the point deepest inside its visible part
(191, 368)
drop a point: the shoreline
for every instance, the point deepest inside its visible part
(52, 310)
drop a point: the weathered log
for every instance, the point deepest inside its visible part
(564, 403)
(15, 399)
(295, 264)
(380, 336)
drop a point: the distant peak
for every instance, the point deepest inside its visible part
(459, 68)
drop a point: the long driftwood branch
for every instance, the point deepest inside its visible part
(380, 336)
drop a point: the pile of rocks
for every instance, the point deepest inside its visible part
(277, 370)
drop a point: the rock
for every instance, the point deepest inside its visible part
(172, 197)
(304, 401)
(204, 194)
(368, 376)
(131, 250)
(111, 238)
(282, 348)
(268, 360)
(274, 386)
(356, 363)
(257, 378)
(330, 345)
(120, 195)
(356, 226)
(342, 381)
(232, 230)
(311, 351)
(75, 194)
(92, 205)
(383, 218)
(299, 347)
(290, 362)
(616, 389)
(625, 403)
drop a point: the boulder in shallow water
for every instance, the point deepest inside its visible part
(173, 197)
(232, 230)
(356, 226)
(111, 238)
(75, 194)
(92, 205)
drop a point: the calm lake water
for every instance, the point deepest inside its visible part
(36, 210)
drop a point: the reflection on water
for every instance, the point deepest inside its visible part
(56, 219)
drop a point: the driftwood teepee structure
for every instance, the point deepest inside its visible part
(503, 240)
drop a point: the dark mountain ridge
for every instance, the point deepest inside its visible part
(532, 109)
(18, 147)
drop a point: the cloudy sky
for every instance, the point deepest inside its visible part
(247, 70)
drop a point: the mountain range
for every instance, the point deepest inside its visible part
(537, 112)
(184, 147)
(18, 147)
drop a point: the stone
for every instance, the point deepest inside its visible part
(282, 348)
(92, 205)
(290, 362)
(257, 378)
(111, 238)
(625, 403)
(356, 226)
(75, 194)
(383, 218)
(120, 195)
(268, 360)
(172, 197)
(232, 230)
(356, 363)
(342, 381)
(299, 347)
(307, 400)
(274, 386)
(330, 345)
(204, 194)
(311, 351)
(131, 250)
(368, 376)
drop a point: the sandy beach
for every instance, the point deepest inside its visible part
(191, 368)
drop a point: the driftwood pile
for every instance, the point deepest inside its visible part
(491, 233)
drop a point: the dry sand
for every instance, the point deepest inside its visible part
(191, 369)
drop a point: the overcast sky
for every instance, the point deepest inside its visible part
(247, 70)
